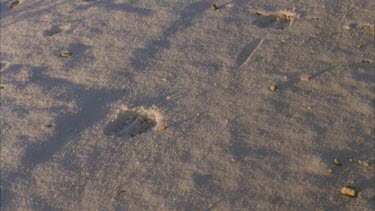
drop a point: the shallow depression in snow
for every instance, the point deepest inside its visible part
(130, 123)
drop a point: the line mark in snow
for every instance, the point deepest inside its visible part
(247, 52)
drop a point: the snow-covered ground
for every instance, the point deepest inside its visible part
(165, 105)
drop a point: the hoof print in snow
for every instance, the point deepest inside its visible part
(276, 20)
(202, 180)
(129, 123)
(55, 30)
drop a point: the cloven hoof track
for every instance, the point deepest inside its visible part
(277, 20)
(130, 123)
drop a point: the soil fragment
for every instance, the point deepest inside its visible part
(48, 125)
(14, 4)
(305, 77)
(366, 61)
(337, 162)
(214, 7)
(363, 163)
(273, 88)
(349, 191)
(366, 26)
(163, 128)
(347, 28)
(65, 54)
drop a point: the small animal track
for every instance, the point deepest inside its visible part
(276, 20)
(130, 123)
(202, 180)
(55, 30)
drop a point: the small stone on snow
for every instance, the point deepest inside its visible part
(337, 162)
(273, 88)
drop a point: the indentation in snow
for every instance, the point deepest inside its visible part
(129, 123)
